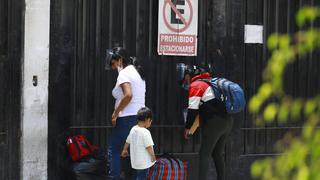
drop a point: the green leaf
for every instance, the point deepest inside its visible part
(283, 112)
(265, 90)
(310, 40)
(277, 84)
(256, 169)
(310, 107)
(254, 104)
(270, 112)
(307, 132)
(303, 173)
(284, 41)
(306, 14)
(273, 41)
(300, 18)
(296, 109)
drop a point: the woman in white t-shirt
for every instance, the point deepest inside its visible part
(129, 93)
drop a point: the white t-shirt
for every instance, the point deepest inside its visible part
(139, 139)
(138, 87)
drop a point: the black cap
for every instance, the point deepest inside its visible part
(194, 70)
(186, 69)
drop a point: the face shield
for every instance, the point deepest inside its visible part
(185, 73)
(108, 60)
(181, 69)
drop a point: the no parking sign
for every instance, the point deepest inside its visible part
(178, 27)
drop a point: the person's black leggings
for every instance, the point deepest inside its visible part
(214, 134)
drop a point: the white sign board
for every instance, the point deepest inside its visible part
(253, 34)
(178, 27)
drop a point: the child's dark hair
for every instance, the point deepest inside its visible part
(144, 113)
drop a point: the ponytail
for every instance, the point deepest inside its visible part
(138, 67)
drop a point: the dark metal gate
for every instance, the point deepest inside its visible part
(11, 43)
(80, 89)
(301, 78)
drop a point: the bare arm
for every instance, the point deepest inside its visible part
(124, 152)
(127, 96)
(151, 152)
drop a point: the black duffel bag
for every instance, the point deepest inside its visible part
(92, 167)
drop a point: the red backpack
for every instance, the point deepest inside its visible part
(78, 147)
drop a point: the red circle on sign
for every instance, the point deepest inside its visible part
(187, 23)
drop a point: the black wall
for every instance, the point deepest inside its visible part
(80, 98)
(11, 45)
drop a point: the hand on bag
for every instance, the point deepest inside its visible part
(153, 158)
(187, 134)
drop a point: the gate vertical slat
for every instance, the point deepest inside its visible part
(63, 57)
(235, 71)
(97, 71)
(11, 45)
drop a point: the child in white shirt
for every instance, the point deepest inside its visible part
(141, 144)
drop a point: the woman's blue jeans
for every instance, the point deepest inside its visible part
(118, 138)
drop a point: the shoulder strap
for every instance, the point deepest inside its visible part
(220, 83)
(205, 80)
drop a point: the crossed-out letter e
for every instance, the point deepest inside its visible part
(174, 19)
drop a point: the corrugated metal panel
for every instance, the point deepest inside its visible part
(11, 26)
(80, 89)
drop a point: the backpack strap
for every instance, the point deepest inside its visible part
(205, 80)
(231, 96)
(226, 92)
(220, 84)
